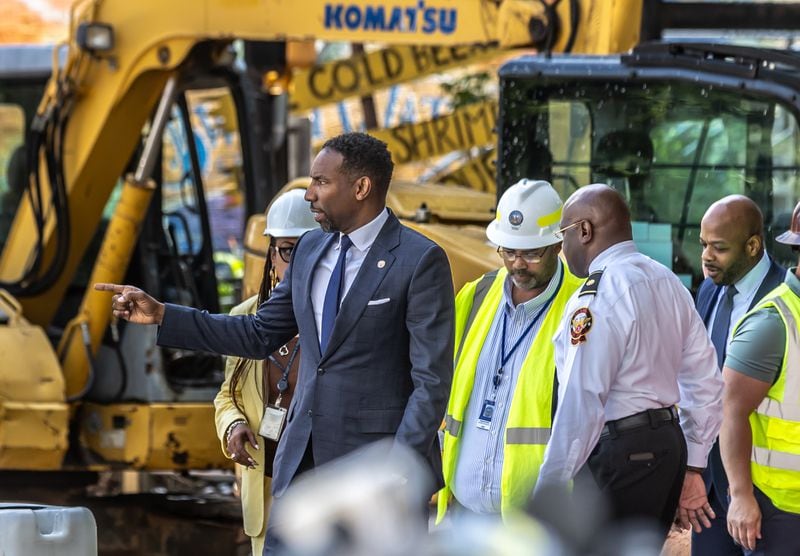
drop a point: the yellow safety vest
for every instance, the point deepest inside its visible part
(775, 459)
(530, 415)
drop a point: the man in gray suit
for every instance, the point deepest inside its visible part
(373, 303)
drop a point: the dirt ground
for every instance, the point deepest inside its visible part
(678, 543)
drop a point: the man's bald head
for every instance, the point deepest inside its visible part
(601, 219)
(738, 212)
(732, 236)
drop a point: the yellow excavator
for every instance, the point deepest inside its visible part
(160, 130)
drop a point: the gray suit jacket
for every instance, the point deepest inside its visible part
(387, 368)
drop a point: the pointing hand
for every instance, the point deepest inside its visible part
(132, 304)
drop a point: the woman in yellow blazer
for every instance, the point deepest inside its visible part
(240, 402)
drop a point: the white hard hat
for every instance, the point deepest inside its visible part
(528, 215)
(290, 215)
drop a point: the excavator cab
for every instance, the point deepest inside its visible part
(218, 157)
(189, 249)
(673, 127)
(23, 73)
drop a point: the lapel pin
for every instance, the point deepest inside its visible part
(381, 264)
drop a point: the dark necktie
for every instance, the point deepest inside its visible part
(333, 295)
(722, 322)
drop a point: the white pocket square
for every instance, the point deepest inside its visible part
(379, 301)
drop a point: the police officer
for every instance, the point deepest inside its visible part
(631, 347)
(501, 401)
(760, 438)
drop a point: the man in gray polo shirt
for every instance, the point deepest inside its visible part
(760, 436)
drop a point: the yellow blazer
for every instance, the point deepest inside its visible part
(250, 397)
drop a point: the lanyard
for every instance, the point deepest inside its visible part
(506, 356)
(283, 383)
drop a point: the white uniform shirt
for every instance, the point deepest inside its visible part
(647, 348)
(362, 239)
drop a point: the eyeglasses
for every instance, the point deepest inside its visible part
(560, 233)
(530, 256)
(285, 252)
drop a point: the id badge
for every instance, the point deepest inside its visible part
(485, 418)
(272, 422)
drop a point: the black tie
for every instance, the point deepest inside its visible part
(333, 295)
(722, 323)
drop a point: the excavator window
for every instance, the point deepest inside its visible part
(13, 174)
(670, 147)
(202, 201)
(214, 119)
(189, 251)
(200, 211)
(219, 160)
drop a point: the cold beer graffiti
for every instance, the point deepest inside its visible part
(362, 75)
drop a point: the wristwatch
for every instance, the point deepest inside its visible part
(695, 469)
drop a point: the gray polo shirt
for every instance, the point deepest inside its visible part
(759, 343)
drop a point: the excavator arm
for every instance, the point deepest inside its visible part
(123, 65)
(119, 59)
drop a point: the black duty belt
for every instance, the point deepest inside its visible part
(653, 418)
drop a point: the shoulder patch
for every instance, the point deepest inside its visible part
(579, 325)
(591, 284)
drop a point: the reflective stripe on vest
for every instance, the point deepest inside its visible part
(791, 390)
(775, 409)
(527, 435)
(786, 410)
(775, 425)
(778, 460)
(452, 425)
(514, 435)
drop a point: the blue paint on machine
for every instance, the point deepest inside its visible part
(421, 18)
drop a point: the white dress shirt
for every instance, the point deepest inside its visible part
(479, 467)
(647, 348)
(362, 239)
(746, 289)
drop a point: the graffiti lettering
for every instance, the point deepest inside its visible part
(466, 127)
(361, 75)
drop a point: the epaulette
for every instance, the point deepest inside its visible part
(591, 284)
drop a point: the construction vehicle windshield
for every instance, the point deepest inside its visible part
(17, 105)
(671, 148)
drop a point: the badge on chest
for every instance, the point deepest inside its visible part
(487, 412)
(272, 422)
